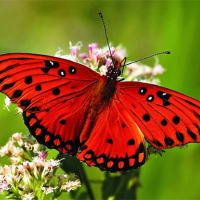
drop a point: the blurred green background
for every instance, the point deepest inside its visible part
(144, 28)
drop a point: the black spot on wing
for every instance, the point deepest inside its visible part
(28, 80)
(198, 128)
(146, 117)
(17, 94)
(169, 141)
(7, 68)
(110, 141)
(63, 122)
(189, 102)
(165, 97)
(142, 91)
(131, 142)
(2, 79)
(157, 143)
(45, 70)
(7, 86)
(176, 120)
(34, 109)
(197, 115)
(191, 134)
(141, 148)
(123, 125)
(61, 72)
(166, 103)
(38, 88)
(180, 136)
(150, 98)
(56, 91)
(164, 122)
(25, 103)
(72, 70)
(51, 64)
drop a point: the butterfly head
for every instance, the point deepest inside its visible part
(116, 69)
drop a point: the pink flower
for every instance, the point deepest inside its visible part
(42, 154)
(83, 56)
(119, 54)
(92, 49)
(108, 62)
(158, 69)
(74, 49)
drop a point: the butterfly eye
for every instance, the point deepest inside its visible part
(119, 73)
(61, 73)
(72, 70)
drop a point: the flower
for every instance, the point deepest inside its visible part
(48, 190)
(158, 69)
(42, 154)
(7, 103)
(74, 50)
(71, 185)
(28, 196)
(30, 169)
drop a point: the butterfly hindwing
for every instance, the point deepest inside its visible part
(60, 126)
(115, 143)
(166, 118)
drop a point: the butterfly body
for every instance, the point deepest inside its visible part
(102, 121)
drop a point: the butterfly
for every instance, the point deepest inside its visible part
(101, 120)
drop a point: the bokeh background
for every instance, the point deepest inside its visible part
(144, 28)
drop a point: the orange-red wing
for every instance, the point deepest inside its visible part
(165, 117)
(60, 126)
(54, 93)
(115, 143)
(37, 82)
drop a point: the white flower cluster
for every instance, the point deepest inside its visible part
(30, 173)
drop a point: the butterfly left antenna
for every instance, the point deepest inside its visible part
(104, 26)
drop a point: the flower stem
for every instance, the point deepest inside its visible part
(85, 180)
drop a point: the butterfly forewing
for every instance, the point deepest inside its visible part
(37, 83)
(166, 118)
(54, 93)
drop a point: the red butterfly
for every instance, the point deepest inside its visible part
(102, 121)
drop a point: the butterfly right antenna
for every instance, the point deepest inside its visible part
(164, 52)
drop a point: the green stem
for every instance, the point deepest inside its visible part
(85, 180)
